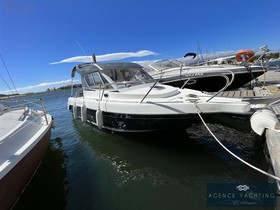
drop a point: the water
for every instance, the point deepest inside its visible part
(85, 168)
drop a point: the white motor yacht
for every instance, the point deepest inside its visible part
(123, 97)
(210, 78)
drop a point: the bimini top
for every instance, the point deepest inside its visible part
(87, 68)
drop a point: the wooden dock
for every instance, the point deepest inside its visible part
(255, 92)
(238, 93)
(268, 86)
(273, 146)
(271, 87)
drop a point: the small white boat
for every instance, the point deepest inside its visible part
(123, 97)
(24, 138)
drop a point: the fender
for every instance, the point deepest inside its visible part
(264, 119)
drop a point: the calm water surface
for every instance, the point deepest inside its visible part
(85, 168)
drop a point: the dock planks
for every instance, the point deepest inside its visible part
(237, 93)
(270, 80)
(273, 146)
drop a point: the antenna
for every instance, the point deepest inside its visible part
(83, 50)
(198, 46)
(94, 58)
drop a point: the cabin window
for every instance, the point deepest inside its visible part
(94, 80)
(126, 75)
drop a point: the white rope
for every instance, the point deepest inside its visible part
(234, 155)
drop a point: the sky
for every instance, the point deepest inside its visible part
(36, 35)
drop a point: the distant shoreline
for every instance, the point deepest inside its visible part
(3, 96)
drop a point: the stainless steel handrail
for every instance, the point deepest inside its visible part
(151, 88)
(227, 84)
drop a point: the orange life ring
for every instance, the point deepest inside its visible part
(245, 55)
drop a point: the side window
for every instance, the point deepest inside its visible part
(93, 79)
(96, 78)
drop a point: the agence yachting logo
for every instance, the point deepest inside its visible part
(241, 195)
(242, 187)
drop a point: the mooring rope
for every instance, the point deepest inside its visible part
(230, 152)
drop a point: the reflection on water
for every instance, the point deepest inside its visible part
(244, 143)
(86, 168)
(160, 169)
(48, 188)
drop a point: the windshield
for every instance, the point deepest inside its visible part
(116, 78)
(127, 76)
(163, 65)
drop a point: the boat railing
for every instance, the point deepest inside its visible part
(9, 105)
(228, 83)
(190, 79)
(156, 81)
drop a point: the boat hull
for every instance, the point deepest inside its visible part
(139, 123)
(215, 83)
(15, 181)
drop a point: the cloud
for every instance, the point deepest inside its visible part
(191, 61)
(107, 57)
(75, 59)
(40, 87)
